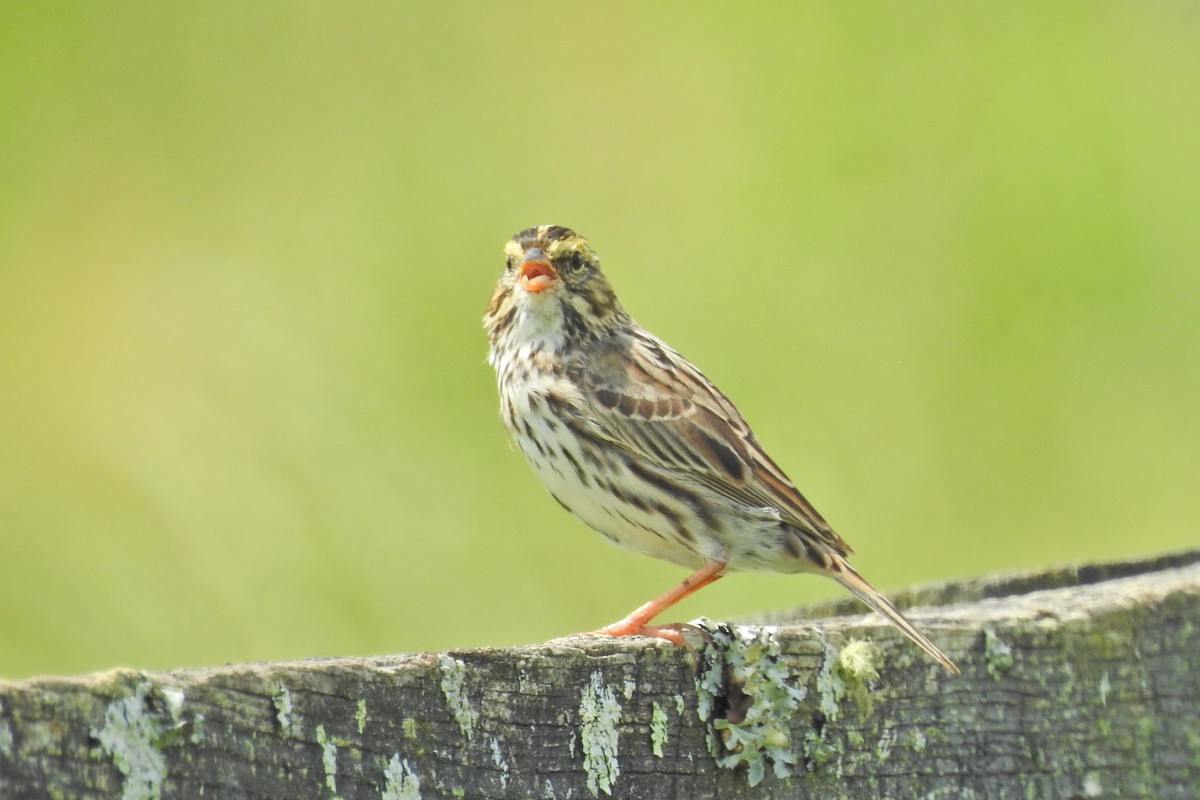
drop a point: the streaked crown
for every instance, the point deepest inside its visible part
(561, 245)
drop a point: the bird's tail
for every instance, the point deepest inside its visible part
(849, 577)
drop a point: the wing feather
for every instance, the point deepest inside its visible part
(660, 408)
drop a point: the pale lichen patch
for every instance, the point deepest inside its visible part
(400, 781)
(599, 715)
(328, 758)
(500, 761)
(6, 736)
(454, 678)
(996, 654)
(283, 709)
(524, 680)
(497, 756)
(172, 700)
(360, 715)
(658, 729)
(831, 686)
(133, 736)
(883, 748)
(745, 667)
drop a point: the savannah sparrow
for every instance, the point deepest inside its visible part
(630, 437)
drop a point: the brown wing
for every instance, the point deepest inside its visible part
(658, 406)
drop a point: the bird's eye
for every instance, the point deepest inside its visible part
(575, 262)
(509, 264)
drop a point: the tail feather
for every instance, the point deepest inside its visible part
(848, 577)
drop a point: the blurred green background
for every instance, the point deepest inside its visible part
(943, 256)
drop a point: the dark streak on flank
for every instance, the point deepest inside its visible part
(660, 483)
(698, 506)
(640, 526)
(574, 462)
(628, 498)
(597, 444)
(528, 429)
(676, 520)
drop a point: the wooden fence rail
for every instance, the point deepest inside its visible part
(1077, 683)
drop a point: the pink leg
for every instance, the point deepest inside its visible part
(636, 623)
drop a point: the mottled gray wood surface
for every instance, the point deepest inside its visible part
(1077, 683)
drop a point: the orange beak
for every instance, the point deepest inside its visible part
(536, 272)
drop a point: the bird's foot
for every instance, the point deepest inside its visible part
(672, 632)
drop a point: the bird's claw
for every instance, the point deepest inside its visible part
(672, 632)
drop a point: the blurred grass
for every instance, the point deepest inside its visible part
(945, 259)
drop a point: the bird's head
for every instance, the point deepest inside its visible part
(553, 285)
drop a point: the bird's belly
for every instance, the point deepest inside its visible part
(622, 523)
(628, 500)
(594, 484)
